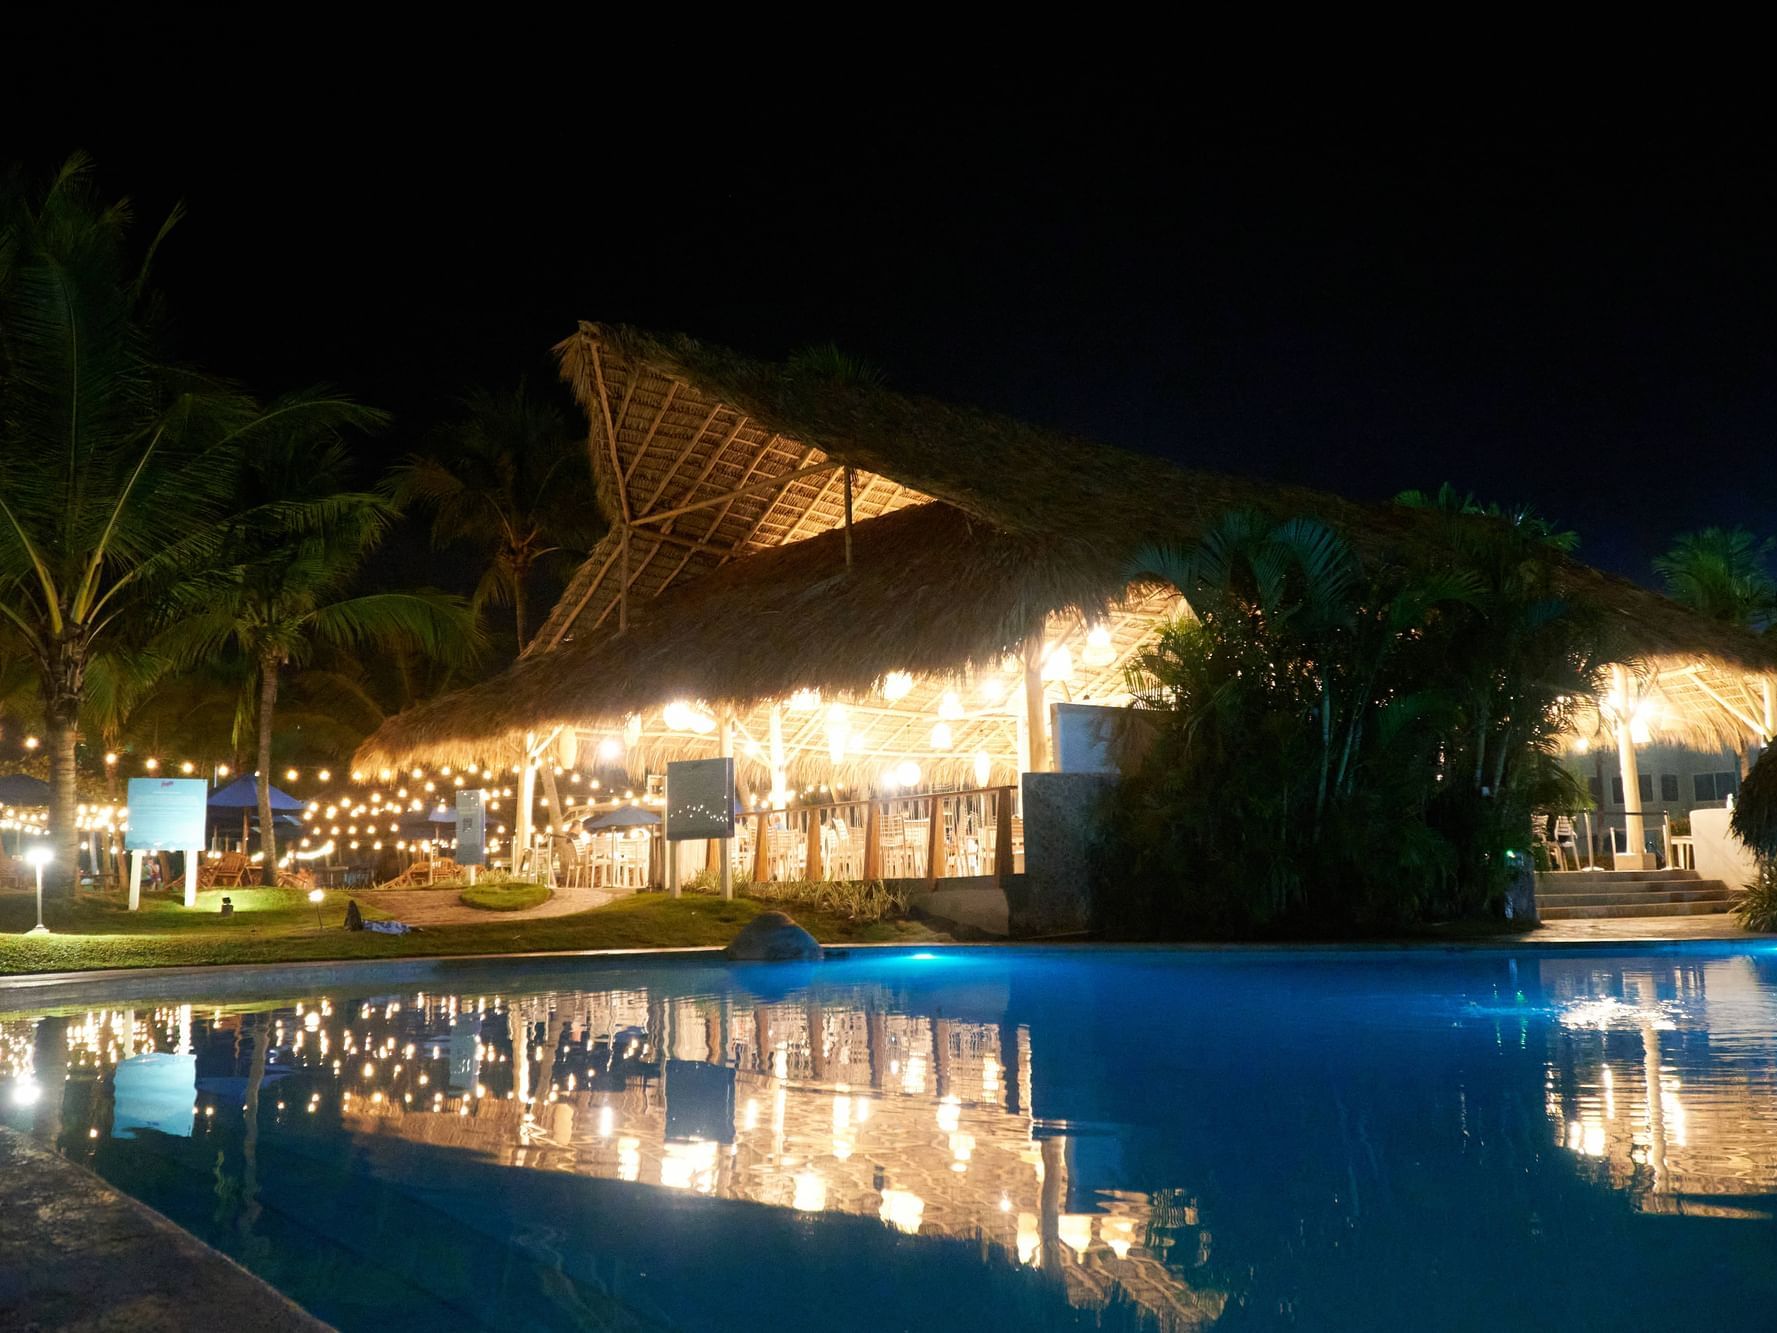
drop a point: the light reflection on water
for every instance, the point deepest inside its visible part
(981, 1139)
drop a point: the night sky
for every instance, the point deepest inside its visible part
(1571, 309)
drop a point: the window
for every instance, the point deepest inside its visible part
(1616, 791)
(1644, 783)
(1668, 786)
(1596, 788)
(1716, 786)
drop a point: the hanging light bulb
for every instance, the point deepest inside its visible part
(838, 730)
(897, 685)
(804, 701)
(983, 768)
(1099, 652)
(610, 750)
(907, 773)
(941, 738)
(632, 729)
(1058, 665)
(950, 706)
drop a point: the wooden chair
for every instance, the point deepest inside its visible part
(228, 871)
(15, 874)
(294, 877)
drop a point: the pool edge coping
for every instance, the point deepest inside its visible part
(26, 984)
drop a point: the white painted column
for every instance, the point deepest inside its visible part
(1036, 708)
(1635, 826)
(521, 820)
(669, 848)
(192, 857)
(780, 785)
(136, 881)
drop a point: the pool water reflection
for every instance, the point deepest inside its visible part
(970, 1139)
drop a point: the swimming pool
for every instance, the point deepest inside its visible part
(969, 1138)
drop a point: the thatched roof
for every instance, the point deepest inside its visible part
(970, 532)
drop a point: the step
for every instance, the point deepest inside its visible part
(1563, 878)
(1703, 893)
(1616, 910)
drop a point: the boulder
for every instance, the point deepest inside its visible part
(771, 937)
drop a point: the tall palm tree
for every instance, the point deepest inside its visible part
(510, 476)
(1724, 573)
(115, 466)
(282, 594)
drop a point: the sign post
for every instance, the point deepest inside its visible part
(700, 804)
(167, 814)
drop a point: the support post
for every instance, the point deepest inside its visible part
(136, 881)
(935, 840)
(727, 868)
(1634, 825)
(1002, 838)
(811, 857)
(668, 846)
(873, 840)
(192, 856)
(1036, 711)
(762, 849)
(521, 821)
(848, 477)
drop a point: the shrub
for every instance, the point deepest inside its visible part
(512, 895)
(856, 900)
(1757, 908)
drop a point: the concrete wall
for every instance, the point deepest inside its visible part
(1720, 855)
(1063, 813)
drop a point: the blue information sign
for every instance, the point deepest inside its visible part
(166, 814)
(471, 828)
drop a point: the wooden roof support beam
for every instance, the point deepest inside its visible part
(598, 375)
(802, 469)
(1751, 723)
(684, 453)
(579, 606)
(672, 392)
(750, 488)
(704, 542)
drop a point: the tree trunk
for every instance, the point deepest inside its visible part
(520, 572)
(61, 685)
(268, 699)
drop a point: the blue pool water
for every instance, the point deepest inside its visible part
(969, 1139)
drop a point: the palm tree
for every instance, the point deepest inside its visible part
(115, 466)
(1724, 573)
(282, 596)
(509, 476)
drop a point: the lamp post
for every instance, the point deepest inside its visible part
(315, 897)
(37, 856)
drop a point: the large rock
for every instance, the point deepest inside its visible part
(771, 937)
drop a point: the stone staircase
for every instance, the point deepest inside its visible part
(1574, 895)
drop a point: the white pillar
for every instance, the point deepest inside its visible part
(136, 881)
(192, 856)
(1635, 827)
(1036, 708)
(668, 846)
(780, 785)
(727, 860)
(521, 820)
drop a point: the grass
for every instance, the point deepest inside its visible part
(278, 925)
(504, 896)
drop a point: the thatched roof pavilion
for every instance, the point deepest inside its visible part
(861, 579)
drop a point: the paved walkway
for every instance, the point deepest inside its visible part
(76, 1254)
(439, 907)
(1720, 926)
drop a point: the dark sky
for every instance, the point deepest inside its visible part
(1570, 308)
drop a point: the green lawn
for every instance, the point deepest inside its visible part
(278, 925)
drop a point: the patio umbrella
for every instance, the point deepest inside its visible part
(24, 790)
(243, 794)
(624, 816)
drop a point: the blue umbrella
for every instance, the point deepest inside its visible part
(624, 816)
(243, 794)
(23, 789)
